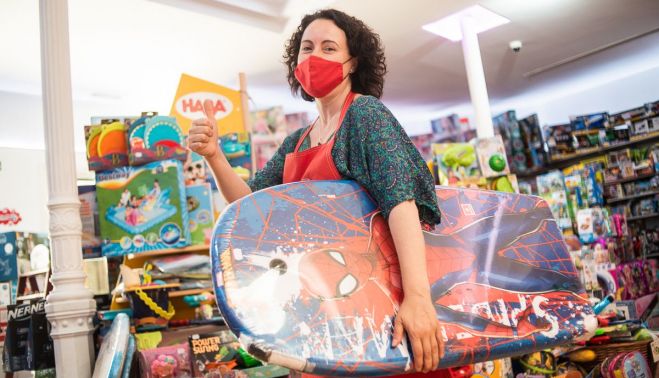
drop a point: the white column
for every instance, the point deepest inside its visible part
(476, 79)
(70, 306)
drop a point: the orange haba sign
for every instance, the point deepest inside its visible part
(189, 100)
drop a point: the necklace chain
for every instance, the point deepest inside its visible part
(327, 138)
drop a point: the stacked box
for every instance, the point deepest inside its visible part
(457, 164)
(200, 211)
(152, 137)
(142, 208)
(91, 237)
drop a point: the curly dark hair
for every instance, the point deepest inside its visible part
(363, 44)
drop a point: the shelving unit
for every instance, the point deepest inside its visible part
(630, 179)
(641, 217)
(569, 159)
(137, 260)
(164, 252)
(627, 198)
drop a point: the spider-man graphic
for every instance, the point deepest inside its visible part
(315, 277)
(460, 258)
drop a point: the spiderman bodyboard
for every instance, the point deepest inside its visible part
(306, 275)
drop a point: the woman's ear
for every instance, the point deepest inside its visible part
(353, 69)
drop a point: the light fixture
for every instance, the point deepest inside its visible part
(449, 26)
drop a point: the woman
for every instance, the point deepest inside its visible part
(338, 62)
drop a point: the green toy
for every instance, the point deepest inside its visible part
(497, 162)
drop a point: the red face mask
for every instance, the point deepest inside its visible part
(318, 76)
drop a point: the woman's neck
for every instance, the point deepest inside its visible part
(329, 107)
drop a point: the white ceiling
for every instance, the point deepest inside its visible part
(127, 55)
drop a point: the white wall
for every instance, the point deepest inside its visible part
(614, 96)
(24, 188)
(555, 104)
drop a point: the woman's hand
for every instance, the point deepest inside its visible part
(202, 137)
(417, 318)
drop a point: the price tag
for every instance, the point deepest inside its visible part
(655, 349)
(654, 346)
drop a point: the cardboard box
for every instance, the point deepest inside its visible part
(142, 208)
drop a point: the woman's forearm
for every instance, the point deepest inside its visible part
(410, 246)
(232, 186)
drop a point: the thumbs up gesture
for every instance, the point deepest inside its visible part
(202, 137)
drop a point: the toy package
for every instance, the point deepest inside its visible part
(106, 143)
(576, 192)
(629, 282)
(16, 259)
(650, 277)
(237, 148)
(587, 139)
(91, 240)
(142, 208)
(5, 294)
(195, 171)
(527, 187)
(200, 213)
(214, 352)
(588, 273)
(627, 116)
(296, 121)
(507, 126)
(593, 224)
(423, 144)
(445, 128)
(642, 159)
(551, 187)
(152, 137)
(9, 257)
(28, 345)
(590, 121)
(507, 183)
(587, 177)
(168, 361)
(491, 154)
(502, 368)
(457, 165)
(268, 133)
(532, 135)
(559, 140)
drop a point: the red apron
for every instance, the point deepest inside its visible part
(316, 163)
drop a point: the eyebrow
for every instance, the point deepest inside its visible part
(327, 40)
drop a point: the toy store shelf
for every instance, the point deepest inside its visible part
(563, 161)
(174, 294)
(641, 195)
(173, 251)
(34, 273)
(640, 217)
(30, 297)
(183, 293)
(628, 179)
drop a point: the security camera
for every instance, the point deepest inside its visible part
(515, 45)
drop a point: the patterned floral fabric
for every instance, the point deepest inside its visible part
(373, 149)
